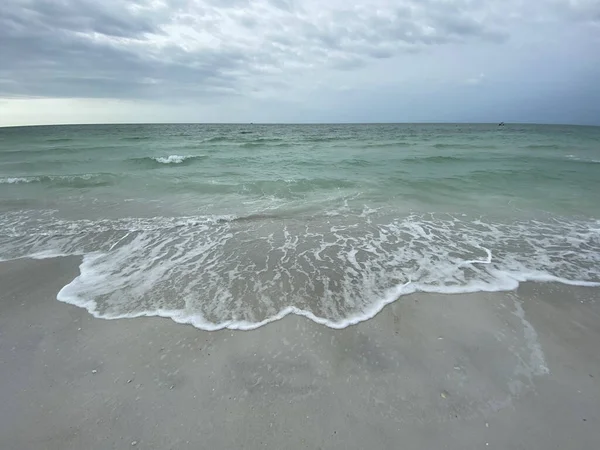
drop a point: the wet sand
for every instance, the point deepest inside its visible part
(488, 370)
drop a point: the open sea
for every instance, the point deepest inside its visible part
(239, 225)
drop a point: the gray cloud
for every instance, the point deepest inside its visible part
(199, 48)
(580, 10)
(108, 18)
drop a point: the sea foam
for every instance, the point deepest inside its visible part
(241, 273)
(171, 159)
(15, 180)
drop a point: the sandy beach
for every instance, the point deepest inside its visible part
(487, 370)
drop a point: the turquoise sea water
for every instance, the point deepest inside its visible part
(236, 225)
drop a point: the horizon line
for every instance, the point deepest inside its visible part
(292, 123)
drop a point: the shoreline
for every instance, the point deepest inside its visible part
(455, 371)
(392, 295)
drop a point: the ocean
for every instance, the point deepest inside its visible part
(234, 226)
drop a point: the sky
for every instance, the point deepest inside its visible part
(113, 61)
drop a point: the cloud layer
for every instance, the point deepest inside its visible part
(202, 49)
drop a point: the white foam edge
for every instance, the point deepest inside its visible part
(198, 321)
(511, 282)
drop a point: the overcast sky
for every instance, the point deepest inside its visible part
(90, 61)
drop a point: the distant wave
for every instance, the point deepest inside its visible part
(395, 144)
(342, 141)
(16, 180)
(542, 146)
(435, 159)
(327, 139)
(356, 162)
(217, 139)
(171, 159)
(464, 146)
(136, 138)
(77, 181)
(241, 141)
(266, 142)
(28, 153)
(289, 188)
(522, 158)
(388, 144)
(573, 158)
(57, 140)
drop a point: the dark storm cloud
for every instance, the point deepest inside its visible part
(155, 49)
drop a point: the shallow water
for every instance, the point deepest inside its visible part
(237, 225)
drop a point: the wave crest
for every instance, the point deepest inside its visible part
(17, 180)
(75, 180)
(171, 159)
